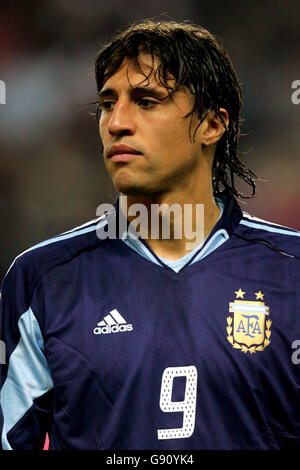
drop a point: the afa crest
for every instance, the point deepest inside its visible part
(248, 328)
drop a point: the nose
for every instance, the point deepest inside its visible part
(122, 120)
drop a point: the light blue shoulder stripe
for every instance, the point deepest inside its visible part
(270, 229)
(64, 236)
(28, 375)
(67, 235)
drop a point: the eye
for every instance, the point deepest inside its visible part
(107, 105)
(146, 103)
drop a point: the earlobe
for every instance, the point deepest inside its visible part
(213, 127)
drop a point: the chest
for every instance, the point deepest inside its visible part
(154, 353)
(216, 316)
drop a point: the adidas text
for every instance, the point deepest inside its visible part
(105, 330)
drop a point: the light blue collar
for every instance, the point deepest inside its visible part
(218, 238)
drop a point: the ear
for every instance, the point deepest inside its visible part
(212, 128)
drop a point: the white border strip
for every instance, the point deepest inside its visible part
(270, 229)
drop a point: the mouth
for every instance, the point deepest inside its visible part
(122, 153)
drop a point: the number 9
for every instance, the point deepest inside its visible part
(188, 405)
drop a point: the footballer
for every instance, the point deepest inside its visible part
(136, 342)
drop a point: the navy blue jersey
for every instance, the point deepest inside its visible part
(107, 350)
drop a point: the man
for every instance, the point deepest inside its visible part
(127, 342)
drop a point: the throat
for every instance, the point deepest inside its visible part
(172, 229)
(186, 233)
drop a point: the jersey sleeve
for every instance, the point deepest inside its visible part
(26, 387)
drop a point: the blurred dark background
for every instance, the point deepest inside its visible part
(51, 169)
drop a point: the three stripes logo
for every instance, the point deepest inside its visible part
(112, 323)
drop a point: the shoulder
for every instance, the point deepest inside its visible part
(277, 236)
(38, 260)
(255, 224)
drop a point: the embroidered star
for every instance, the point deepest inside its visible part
(239, 293)
(259, 295)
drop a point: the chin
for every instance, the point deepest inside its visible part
(133, 185)
(129, 185)
(131, 190)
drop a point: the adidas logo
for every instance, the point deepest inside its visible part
(112, 323)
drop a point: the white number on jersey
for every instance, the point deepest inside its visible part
(188, 405)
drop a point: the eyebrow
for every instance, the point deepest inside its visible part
(136, 92)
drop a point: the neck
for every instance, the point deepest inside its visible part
(171, 228)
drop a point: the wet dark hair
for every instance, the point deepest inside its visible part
(196, 59)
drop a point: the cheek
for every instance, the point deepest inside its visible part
(164, 133)
(101, 133)
(102, 128)
(173, 139)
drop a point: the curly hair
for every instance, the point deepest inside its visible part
(196, 59)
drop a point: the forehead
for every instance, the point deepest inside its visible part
(131, 74)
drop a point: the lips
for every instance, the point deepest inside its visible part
(122, 150)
